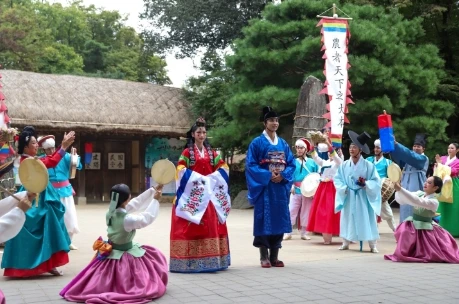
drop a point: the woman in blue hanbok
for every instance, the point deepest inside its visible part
(43, 234)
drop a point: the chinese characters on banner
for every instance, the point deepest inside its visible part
(115, 161)
(95, 162)
(335, 39)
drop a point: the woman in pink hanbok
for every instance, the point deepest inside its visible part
(419, 239)
(123, 271)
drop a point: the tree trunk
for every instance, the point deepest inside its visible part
(309, 109)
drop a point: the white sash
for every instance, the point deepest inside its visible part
(195, 198)
(220, 197)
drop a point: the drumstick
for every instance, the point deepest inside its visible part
(7, 191)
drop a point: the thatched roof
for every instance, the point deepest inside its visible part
(90, 104)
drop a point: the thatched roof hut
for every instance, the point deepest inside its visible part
(94, 105)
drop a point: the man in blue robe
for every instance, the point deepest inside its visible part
(381, 163)
(358, 195)
(270, 165)
(415, 165)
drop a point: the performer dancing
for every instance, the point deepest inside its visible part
(270, 166)
(415, 165)
(199, 237)
(418, 238)
(358, 195)
(59, 178)
(299, 204)
(381, 163)
(450, 210)
(12, 218)
(322, 218)
(44, 230)
(123, 271)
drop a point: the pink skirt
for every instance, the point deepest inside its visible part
(2, 298)
(322, 216)
(424, 246)
(128, 280)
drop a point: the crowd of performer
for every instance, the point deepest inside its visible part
(347, 201)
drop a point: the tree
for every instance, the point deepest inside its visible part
(21, 41)
(60, 58)
(441, 24)
(95, 56)
(190, 26)
(391, 69)
(51, 38)
(208, 95)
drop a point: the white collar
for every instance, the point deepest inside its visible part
(201, 153)
(121, 210)
(430, 195)
(276, 140)
(375, 161)
(450, 160)
(358, 162)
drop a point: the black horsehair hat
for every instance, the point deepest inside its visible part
(360, 141)
(268, 112)
(420, 139)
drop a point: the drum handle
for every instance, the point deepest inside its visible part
(7, 191)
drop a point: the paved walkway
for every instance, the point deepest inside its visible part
(314, 273)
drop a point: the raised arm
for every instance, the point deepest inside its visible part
(336, 158)
(149, 199)
(319, 161)
(405, 197)
(403, 155)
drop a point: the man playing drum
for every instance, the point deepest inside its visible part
(300, 205)
(381, 163)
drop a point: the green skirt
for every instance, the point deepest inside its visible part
(450, 212)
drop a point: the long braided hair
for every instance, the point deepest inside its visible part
(200, 122)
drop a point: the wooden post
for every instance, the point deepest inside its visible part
(310, 108)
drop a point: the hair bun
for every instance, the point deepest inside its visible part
(200, 122)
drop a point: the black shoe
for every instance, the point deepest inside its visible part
(264, 257)
(274, 253)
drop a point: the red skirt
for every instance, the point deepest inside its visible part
(199, 248)
(322, 217)
(58, 259)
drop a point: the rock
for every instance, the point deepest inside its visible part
(241, 201)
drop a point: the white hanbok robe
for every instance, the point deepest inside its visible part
(358, 205)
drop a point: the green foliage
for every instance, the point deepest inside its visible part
(392, 69)
(196, 24)
(441, 26)
(60, 58)
(75, 39)
(208, 95)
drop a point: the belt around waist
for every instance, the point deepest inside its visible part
(122, 247)
(60, 184)
(419, 218)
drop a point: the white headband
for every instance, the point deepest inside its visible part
(300, 143)
(48, 143)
